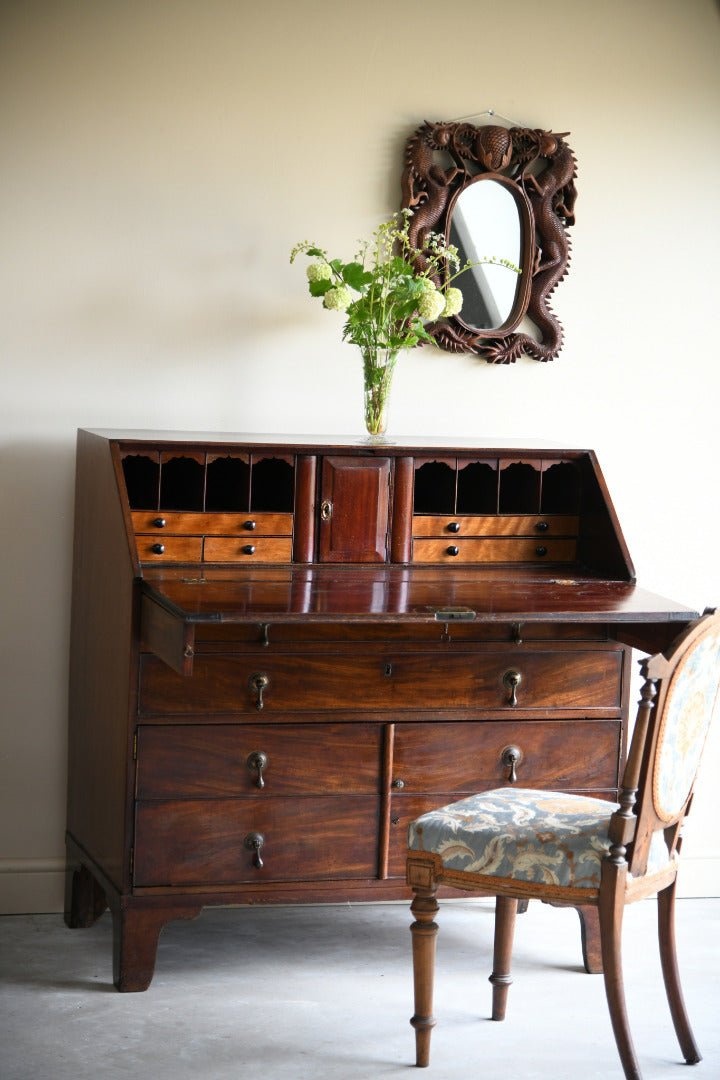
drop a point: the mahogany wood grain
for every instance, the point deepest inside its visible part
(460, 758)
(191, 761)
(202, 841)
(390, 680)
(354, 529)
(536, 525)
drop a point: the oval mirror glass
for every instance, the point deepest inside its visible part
(488, 222)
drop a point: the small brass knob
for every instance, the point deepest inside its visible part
(158, 549)
(398, 784)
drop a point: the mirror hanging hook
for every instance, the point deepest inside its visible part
(487, 112)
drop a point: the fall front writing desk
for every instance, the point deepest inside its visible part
(284, 650)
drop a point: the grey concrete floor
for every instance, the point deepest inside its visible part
(326, 992)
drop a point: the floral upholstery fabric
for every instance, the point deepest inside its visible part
(684, 724)
(539, 836)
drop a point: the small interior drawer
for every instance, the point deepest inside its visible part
(212, 524)
(205, 841)
(495, 550)
(226, 760)
(248, 549)
(494, 525)
(167, 549)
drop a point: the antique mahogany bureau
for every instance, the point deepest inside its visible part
(285, 650)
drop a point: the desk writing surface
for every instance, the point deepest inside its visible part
(398, 593)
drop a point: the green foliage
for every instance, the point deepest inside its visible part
(390, 279)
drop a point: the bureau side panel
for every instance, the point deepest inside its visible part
(101, 663)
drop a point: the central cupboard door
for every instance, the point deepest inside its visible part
(354, 496)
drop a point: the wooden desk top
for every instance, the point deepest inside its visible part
(400, 593)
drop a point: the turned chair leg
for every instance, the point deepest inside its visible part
(424, 936)
(611, 909)
(671, 976)
(505, 912)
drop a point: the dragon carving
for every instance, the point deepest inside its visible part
(543, 167)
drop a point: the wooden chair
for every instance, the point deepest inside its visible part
(583, 852)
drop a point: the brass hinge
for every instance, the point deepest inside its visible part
(135, 747)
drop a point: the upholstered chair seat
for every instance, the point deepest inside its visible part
(525, 835)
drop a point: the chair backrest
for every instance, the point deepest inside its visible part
(677, 704)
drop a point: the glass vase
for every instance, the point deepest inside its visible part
(378, 368)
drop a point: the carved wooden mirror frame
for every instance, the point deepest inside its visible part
(539, 168)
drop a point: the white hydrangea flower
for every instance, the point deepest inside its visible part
(431, 304)
(337, 299)
(453, 301)
(319, 271)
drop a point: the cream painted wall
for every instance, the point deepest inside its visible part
(159, 160)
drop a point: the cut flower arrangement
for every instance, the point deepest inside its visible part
(387, 292)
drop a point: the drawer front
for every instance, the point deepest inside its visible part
(494, 525)
(198, 524)
(214, 760)
(562, 754)
(169, 548)
(406, 808)
(248, 549)
(495, 549)
(203, 841)
(576, 679)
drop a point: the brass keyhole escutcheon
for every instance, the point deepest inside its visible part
(511, 682)
(259, 682)
(325, 510)
(511, 758)
(257, 762)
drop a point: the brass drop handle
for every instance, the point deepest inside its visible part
(256, 762)
(511, 758)
(511, 682)
(259, 682)
(255, 842)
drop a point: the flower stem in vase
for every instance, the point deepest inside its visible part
(378, 368)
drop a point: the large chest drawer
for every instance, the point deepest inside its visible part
(209, 841)
(463, 758)
(575, 679)
(194, 761)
